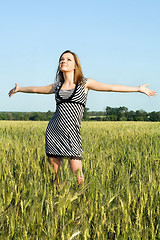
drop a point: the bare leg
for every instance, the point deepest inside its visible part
(76, 165)
(56, 163)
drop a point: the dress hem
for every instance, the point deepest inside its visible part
(61, 156)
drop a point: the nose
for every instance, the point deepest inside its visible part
(63, 60)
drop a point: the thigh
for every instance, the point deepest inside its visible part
(75, 165)
(55, 162)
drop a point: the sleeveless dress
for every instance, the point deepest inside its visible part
(63, 131)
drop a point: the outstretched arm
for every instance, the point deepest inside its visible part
(42, 90)
(97, 86)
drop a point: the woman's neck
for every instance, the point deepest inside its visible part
(68, 78)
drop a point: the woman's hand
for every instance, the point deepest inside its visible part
(147, 91)
(13, 90)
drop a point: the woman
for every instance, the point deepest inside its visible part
(71, 88)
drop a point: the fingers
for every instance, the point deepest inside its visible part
(10, 93)
(151, 93)
(13, 90)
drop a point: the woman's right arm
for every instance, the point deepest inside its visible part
(41, 90)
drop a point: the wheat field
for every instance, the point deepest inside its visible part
(120, 198)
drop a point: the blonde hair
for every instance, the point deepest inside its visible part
(78, 75)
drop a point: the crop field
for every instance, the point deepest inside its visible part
(120, 198)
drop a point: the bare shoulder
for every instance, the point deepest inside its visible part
(90, 82)
(87, 82)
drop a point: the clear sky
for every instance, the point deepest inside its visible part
(118, 42)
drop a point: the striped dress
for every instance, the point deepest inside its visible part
(63, 131)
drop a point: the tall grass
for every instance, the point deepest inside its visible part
(120, 198)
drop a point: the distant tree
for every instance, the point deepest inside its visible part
(123, 109)
(110, 111)
(1, 116)
(122, 118)
(130, 115)
(154, 116)
(86, 115)
(97, 118)
(96, 113)
(118, 112)
(37, 116)
(49, 115)
(10, 116)
(111, 118)
(141, 115)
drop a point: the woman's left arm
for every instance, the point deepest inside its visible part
(97, 86)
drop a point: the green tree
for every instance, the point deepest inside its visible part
(85, 114)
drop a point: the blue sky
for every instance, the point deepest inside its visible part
(118, 42)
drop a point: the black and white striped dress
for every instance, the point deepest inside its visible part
(63, 131)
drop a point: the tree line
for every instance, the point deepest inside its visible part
(26, 116)
(110, 114)
(123, 114)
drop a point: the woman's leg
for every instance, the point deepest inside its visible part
(76, 165)
(56, 163)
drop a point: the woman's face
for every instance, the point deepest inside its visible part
(67, 63)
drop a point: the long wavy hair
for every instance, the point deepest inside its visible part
(78, 75)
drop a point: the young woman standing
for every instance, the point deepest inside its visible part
(63, 131)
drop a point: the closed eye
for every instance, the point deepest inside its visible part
(67, 59)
